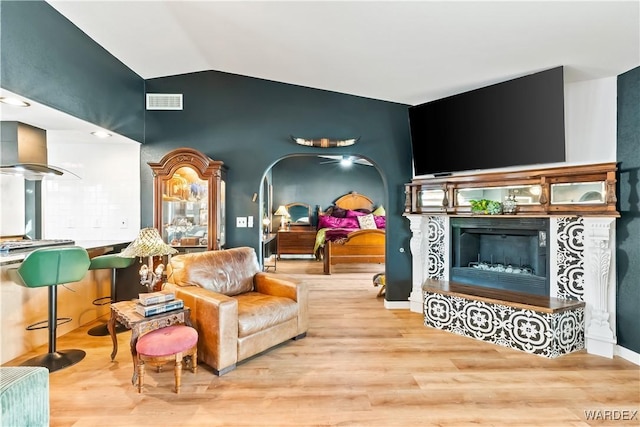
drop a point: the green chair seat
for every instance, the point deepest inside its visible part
(110, 261)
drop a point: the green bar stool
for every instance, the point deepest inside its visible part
(114, 262)
(52, 267)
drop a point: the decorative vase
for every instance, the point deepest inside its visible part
(509, 205)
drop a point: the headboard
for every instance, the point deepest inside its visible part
(353, 201)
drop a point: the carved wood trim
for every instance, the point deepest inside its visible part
(544, 177)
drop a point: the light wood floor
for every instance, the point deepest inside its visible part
(360, 364)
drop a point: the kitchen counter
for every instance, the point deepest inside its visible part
(94, 247)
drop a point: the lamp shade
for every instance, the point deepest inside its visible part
(281, 211)
(148, 243)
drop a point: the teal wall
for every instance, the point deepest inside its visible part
(49, 60)
(246, 123)
(628, 225)
(310, 180)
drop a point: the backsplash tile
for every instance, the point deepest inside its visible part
(104, 203)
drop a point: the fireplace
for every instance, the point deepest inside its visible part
(566, 245)
(502, 253)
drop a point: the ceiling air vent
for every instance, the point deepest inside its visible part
(164, 101)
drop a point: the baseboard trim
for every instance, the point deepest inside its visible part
(627, 354)
(397, 305)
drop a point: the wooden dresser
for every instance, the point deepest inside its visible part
(296, 241)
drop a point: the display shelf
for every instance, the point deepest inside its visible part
(189, 200)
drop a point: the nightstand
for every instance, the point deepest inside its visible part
(296, 241)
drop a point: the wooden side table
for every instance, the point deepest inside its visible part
(124, 312)
(296, 241)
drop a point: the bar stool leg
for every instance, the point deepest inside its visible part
(55, 360)
(112, 262)
(102, 330)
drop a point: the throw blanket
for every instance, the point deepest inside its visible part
(336, 235)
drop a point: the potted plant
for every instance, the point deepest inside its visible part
(486, 207)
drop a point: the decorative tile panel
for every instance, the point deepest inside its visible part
(545, 334)
(436, 236)
(570, 268)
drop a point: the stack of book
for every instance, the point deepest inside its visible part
(153, 303)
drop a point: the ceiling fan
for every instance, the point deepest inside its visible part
(345, 160)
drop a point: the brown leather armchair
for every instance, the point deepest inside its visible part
(237, 310)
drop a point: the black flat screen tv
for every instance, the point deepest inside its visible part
(519, 122)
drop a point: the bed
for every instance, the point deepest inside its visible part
(351, 231)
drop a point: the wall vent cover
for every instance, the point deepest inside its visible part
(164, 101)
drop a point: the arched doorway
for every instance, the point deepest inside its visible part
(317, 181)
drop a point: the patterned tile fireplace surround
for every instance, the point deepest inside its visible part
(582, 268)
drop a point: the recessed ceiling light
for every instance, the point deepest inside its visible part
(14, 101)
(101, 134)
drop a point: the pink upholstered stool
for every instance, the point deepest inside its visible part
(172, 343)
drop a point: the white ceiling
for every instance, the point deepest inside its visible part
(60, 127)
(408, 52)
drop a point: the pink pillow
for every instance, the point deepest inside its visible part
(326, 221)
(381, 221)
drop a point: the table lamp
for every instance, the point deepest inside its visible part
(148, 244)
(282, 211)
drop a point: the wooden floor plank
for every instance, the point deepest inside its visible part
(360, 365)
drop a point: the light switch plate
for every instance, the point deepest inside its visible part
(250, 221)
